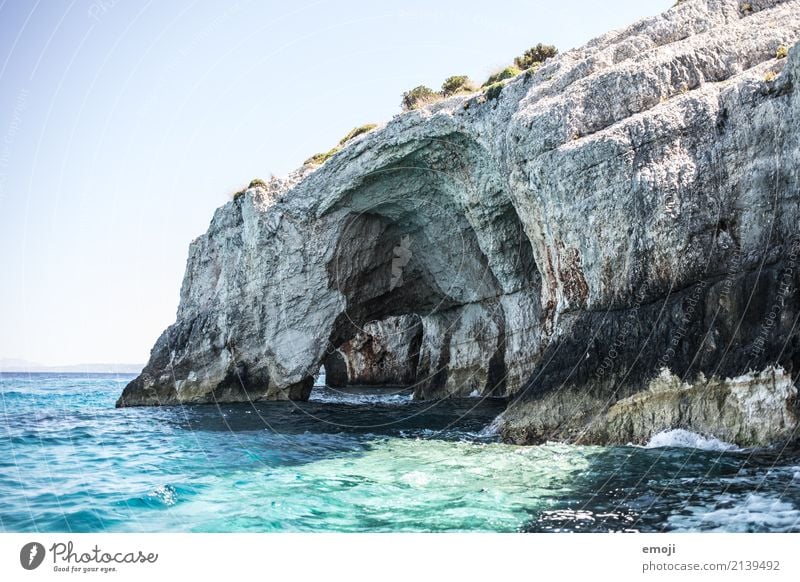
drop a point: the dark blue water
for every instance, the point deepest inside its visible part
(365, 461)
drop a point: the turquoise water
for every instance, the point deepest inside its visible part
(365, 461)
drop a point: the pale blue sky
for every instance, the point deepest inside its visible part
(124, 124)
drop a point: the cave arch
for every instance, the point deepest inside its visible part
(434, 239)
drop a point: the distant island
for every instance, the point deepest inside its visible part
(16, 365)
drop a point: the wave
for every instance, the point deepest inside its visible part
(685, 439)
(368, 396)
(493, 428)
(161, 497)
(748, 513)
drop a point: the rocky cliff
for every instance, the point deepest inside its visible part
(610, 241)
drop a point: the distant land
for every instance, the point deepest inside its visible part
(16, 365)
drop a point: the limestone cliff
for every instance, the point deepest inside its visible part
(628, 210)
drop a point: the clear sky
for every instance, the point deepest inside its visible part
(124, 124)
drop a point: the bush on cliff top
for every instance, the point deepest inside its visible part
(457, 84)
(535, 56)
(529, 61)
(254, 183)
(493, 91)
(507, 73)
(356, 131)
(322, 157)
(420, 95)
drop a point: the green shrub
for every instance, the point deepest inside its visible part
(356, 131)
(507, 73)
(746, 8)
(493, 91)
(457, 84)
(320, 158)
(255, 182)
(535, 56)
(782, 52)
(418, 96)
(770, 76)
(530, 72)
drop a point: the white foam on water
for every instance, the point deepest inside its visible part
(493, 428)
(330, 395)
(415, 479)
(751, 513)
(686, 439)
(166, 494)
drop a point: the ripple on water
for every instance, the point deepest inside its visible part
(364, 462)
(159, 498)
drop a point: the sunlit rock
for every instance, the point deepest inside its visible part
(631, 206)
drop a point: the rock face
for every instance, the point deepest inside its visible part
(631, 207)
(752, 409)
(383, 352)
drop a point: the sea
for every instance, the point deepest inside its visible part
(356, 460)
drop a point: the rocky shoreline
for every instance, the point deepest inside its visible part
(610, 241)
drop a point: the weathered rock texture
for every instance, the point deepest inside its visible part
(631, 206)
(383, 352)
(751, 409)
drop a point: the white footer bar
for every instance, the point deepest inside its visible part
(408, 557)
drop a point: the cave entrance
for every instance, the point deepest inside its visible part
(431, 263)
(381, 353)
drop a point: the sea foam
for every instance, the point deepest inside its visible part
(685, 439)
